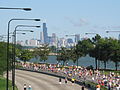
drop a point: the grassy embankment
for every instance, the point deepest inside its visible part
(106, 72)
(3, 84)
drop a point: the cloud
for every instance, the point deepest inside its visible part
(79, 23)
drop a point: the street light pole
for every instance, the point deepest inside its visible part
(15, 48)
(12, 63)
(113, 31)
(9, 22)
(25, 9)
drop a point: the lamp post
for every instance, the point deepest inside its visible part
(13, 56)
(9, 22)
(7, 75)
(90, 33)
(15, 47)
(114, 31)
(25, 9)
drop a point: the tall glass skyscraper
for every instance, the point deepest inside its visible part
(45, 34)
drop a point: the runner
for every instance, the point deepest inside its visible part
(29, 87)
(98, 87)
(73, 81)
(65, 80)
(25, 87)
(60, 80)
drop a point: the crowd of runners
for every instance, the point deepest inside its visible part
(110, 81)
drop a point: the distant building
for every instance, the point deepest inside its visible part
(45, 34)
(69, 43)
(54, 39)
(77, 37)
(50, 40)
(33, 42)
(26, 42)
(62, 42)
(69, 40)
(41, 37)
(119, 37)
(20, 43)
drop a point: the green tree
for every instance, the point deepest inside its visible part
(53, 49)
(73, 55)
(42, 52)
(103, 47)
(2, 57)
(81, 49)
(63, 55)
(25, 55)
(115, 51)
(94, 51)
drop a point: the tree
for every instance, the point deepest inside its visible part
(25, 55)
(115, 51)
(63, 55)
(42, 52)
(73, 56)
(103, 48)
(81, 49)
(94, 51)
(2, 57)
(53, 49)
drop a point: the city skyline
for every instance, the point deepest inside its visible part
(65, 17)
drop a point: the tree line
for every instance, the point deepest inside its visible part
(101, 49)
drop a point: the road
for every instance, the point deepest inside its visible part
(40, 81)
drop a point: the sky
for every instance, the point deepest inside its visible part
(64, 17)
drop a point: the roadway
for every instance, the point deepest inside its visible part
(40, 81)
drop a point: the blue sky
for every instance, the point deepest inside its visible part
(64, 16)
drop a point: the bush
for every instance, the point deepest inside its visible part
(89, 67)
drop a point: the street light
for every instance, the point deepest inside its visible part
(15, 47)
(90, 33)
(9, 22)
(25, 9)
(112, 31)
(26, 30)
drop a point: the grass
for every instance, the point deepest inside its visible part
(106, 72)
(3, 84)
(94, 85)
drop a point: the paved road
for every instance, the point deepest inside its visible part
(40, 81)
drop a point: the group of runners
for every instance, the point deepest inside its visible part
(27, 87)
(66, 80)
(111, 80)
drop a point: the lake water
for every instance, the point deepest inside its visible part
(83, 61)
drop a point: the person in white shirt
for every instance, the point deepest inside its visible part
(25, 87)
(29, 87)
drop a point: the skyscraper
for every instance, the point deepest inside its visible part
(54, 39)
(77, 37)
(41, 37)
(45, 34)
